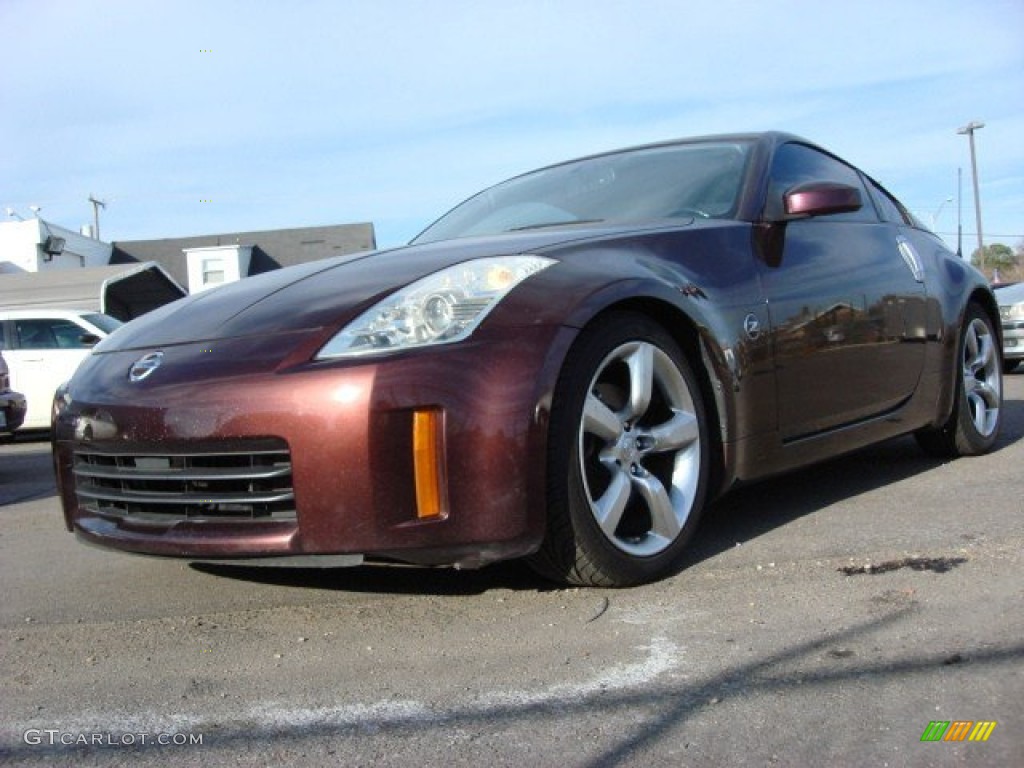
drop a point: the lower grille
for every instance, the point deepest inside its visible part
(247, 482)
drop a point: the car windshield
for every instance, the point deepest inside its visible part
(105, 323)
(701, 179)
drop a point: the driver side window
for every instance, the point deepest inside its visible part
(49, 334)
(797, 163)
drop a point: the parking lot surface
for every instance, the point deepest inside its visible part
(827, 617)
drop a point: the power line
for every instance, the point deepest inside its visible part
(988, 236)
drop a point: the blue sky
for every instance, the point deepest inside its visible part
(198, 117)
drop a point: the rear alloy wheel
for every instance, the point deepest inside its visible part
(628, 457)
(974, 424)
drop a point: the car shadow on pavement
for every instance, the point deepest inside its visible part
(386, 578)
(754, 510)
(26, 468)
(751, 511)
(740, 516)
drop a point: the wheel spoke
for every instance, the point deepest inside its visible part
(676, 433)
(971, 351)
(983, 401)
(641, 379)
(609, 508)
(979, 412)
(988, 394)
(664, 522)
(600, 420)
(979, 352)
(987, 353)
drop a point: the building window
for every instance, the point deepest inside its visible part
(213, 271)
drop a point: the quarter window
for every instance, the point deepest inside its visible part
(890, 207)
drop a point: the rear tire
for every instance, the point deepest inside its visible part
(628, 457)
(973, 426)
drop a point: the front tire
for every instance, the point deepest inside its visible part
(973, 426)
(628, 457)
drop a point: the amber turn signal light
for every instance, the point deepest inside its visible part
(428, 463)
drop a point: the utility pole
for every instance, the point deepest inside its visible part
(960, 212)
(96, 205)
(969, 130)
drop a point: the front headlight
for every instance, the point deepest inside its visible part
(441, 308)
(1012, 311)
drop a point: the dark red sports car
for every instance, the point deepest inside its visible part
(566, 367)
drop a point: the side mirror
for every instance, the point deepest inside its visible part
(89, 339)
(817, 198)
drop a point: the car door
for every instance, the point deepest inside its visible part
(845, 300)
(43, 353)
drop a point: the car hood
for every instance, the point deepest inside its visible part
(321, 294)
(1010, 294)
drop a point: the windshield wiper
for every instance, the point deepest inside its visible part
(553, 224)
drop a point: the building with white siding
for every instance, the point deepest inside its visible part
(36, 245)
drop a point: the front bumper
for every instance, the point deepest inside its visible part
(327, 453)
(12, 410)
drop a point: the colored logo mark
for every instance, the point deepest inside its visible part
(958, 730)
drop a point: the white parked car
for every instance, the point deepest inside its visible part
(1011, 310)
(43, 347)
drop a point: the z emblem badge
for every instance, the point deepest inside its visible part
(752, 326)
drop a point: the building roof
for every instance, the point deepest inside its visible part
(271, 248)
(122, 291)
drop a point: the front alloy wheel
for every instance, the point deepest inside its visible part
(626, 493)
(639, 449)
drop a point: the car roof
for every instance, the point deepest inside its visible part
(770, 138)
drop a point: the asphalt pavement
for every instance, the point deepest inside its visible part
(834, 616)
